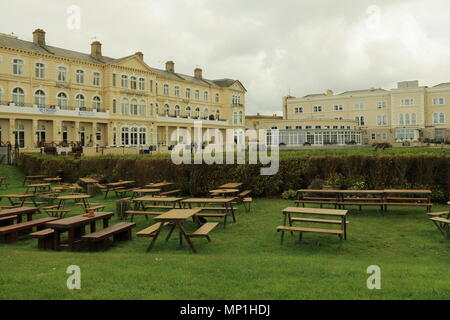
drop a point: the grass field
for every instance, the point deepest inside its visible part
(244, 261)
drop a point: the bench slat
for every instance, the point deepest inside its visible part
(110, 231)
(205, 229)
(26, 225)
(311, 230)
(41, 233)
(326, 221)
(148, 232)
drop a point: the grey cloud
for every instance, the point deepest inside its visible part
(273, 47)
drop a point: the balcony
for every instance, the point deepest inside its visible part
(33, 109)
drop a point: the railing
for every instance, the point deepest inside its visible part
(50, 106)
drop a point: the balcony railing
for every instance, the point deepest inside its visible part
(49, 106)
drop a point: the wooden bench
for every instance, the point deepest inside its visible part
(122, 192)
(99, 240)
(244, 193)
(5, 221)
(302, 230)
(204, 230)
(150, 232)
(159, 207)
(247, 202)
(320, 202)
(360, 204)
(171, 192)
(443, 225)
(46, 238)
(408, 204)
(10, 234)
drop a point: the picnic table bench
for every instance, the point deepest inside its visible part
(18, 213)
(176, 218)
(38, 187)
(317, 196)
(75, 227)
(217, 208)
(442, 221)
(35, 178)
(99, 240)
(10, 234)
(408, 197)
(18, 200)
(289, 221)
(119, 185)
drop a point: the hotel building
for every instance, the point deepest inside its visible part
(407, 113)
(50, 95)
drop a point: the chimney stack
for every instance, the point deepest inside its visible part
(170, 66)
(39, 37)
(96, 49)
(140, 55)
(198, 73)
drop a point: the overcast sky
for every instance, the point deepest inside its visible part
(273, 46)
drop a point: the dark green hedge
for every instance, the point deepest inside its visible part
(371, 171)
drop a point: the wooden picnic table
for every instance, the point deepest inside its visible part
(19, 212)
(145, 191)
(226, 203)
(140, 202)
(342, 214)
(225, 192)
(33, 178)
(21, 198)
(176, 217)
(116, 185)
(89, 180)
(75, 226)
(38, 187)
(81, 197)
(231, 185)
(52, 180)
(160, 185)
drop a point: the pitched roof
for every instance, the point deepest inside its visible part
(16, 43)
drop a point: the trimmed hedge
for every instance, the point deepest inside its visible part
(296, 171)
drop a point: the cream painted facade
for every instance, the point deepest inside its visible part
(407, 113)
(50, 95)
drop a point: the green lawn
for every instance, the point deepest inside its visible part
(244, 261)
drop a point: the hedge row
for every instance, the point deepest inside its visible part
(357, 171)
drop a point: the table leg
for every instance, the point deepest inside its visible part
(186, 236)
(57, 240)
(70, 239)
(105, 223)
(232, 212)
(29, 216)
(170, 232)
(155, 236)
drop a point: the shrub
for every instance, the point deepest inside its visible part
(430, 169)
(289, 194)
